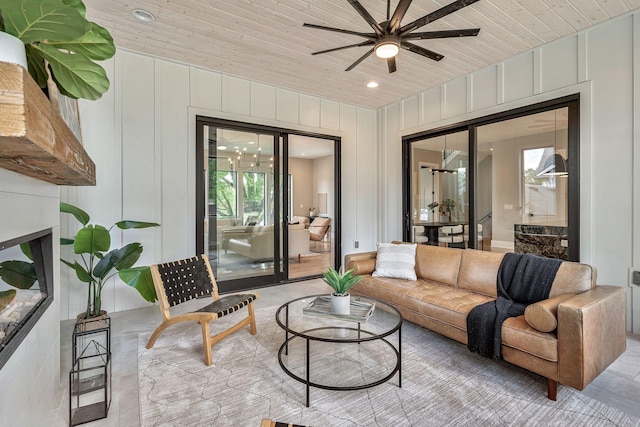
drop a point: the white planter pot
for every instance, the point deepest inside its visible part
(12, 50)
(340, 304)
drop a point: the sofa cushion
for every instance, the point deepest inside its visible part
(442, 302)
(573, 277)
(392, 291)
(479, 271)
(518, 334)
(396, 261)
(438, 264)
(542, 316)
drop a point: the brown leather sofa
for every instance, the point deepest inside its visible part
(590, 318)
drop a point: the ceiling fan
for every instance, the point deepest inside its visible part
(389, 36)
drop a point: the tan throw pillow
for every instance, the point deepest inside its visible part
(396, 261)
(542, 316)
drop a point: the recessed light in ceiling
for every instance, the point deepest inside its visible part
(222, 147)
(252, 142)
(143, 15)
(372, 84)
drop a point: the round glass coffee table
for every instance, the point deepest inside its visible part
(346, 354)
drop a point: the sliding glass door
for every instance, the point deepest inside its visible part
(267, 203)
(511, 180)
(239, 229)
(526, 191)
(440, 195)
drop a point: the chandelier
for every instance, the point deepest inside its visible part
(246, 160)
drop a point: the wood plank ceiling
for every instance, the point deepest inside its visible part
(264, 40)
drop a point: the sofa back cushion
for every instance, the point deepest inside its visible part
(438, 264)
(479, 271)
(573, 277)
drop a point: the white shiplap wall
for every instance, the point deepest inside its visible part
(141, 135)
(603, 65)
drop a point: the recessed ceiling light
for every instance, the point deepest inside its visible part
(222, 147)
(372, 84)
(252, 142)
(143, 15)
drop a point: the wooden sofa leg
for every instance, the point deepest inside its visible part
(552, 388)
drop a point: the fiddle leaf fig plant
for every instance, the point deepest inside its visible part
(56, 33)
(98, 263)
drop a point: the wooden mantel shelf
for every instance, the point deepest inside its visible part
(34, 139)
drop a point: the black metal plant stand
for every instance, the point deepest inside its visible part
(90, 375)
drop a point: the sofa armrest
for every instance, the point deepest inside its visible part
(361, 263)
(591, 334)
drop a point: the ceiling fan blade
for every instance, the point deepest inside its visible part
(339, 30)
(442, 34)
(362, 58)
(421, 51)
(367, 43)
(443, 11)
(391, 63)
(367, 17)
(398, 14)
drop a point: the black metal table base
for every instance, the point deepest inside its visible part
(284, 348)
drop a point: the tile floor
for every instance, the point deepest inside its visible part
(618, 386)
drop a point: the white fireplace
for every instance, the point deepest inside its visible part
(31, 375)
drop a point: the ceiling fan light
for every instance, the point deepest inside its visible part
(387, 49)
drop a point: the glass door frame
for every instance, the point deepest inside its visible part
(572, 102)
(280, 138)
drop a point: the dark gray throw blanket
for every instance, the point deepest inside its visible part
(523, 279)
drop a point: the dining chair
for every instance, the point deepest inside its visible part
(480, 239)
(451, 234)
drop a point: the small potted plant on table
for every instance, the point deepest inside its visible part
(446, 207)
(340, 282)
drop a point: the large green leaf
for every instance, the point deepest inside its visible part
(125, 225)
(37, 20)
(76, 75)
(92, 239)
(95, 44)
(19, 274)
(76, 4)
(26, 250)
(35, 63)
(127, 256)
(121, 259)
(140, 279)
(80, 215)
(82, 274)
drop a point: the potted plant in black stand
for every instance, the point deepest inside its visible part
(97, 262)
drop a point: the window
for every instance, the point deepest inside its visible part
(539, 189)
(224, 192)
(253, 196)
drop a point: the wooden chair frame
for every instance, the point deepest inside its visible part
(220, 306)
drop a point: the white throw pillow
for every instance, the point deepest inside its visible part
(396, 261)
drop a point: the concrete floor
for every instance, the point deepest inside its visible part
(618, 386)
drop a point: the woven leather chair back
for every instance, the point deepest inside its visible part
(186, 279)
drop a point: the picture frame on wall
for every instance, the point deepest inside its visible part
(66, 107)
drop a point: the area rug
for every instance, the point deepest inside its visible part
(442, 384)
